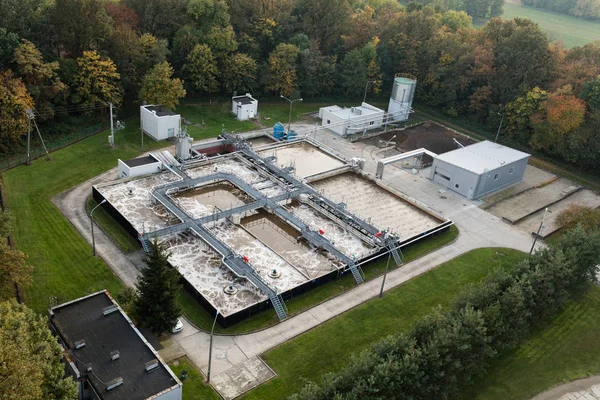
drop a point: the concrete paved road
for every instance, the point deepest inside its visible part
(478, 228)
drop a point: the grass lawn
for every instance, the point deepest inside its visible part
(199, 317)
(570, 30)
(566, 349)
(113, 230)
(62, 259)
(329, 347)
(194, 387)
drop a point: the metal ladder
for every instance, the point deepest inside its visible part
(394, 250)
(357, 273)
(145, 244)
(279, 306)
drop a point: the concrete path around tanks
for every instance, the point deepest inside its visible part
(580, 389)
(235, 366)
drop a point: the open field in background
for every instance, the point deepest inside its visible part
(565, 349)
(329, 347)
(569, 30)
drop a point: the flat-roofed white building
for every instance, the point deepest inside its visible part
(244, 107)
(349, 121)
(159, 122)
(479, 169)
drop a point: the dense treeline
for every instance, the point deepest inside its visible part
(447, 351)
(475, 8)
(65, 57)
(589, 9)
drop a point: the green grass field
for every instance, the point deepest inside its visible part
(329, 347)
(566, 349)
(194, 387)
(571, 31)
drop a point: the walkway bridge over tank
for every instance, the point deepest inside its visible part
(293, 189)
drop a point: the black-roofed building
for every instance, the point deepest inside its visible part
(159, 122)
(244, 107)
(107, 355)
(139, 166)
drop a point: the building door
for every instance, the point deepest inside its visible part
(442, 176)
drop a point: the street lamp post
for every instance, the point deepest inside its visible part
(537, 234)
(385, 274)
(290, 117)
(92, 223)
(210, 348)
(366, 87)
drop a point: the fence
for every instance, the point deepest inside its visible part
(14, 160)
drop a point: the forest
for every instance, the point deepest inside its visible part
(66, 59)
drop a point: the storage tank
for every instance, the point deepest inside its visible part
(403, 92)
(278, 131)
(183, 146)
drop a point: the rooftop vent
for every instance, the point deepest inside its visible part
(79, 344)
(88, 367)
(110, 309)
(114, 383)
(115, 355)
(151, 365)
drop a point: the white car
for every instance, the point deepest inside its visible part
(178, 326)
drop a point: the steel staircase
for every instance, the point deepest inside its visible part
(279, 306)
(357, 273)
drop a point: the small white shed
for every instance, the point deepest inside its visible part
(139, 166)
(244, 107)
(159, 122)
(349, 121)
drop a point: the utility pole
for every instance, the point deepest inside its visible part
(387, 266)
(538, 231)
(112, 130)
(29, 118)
(366, 87)
(499, 127)
(290, 116)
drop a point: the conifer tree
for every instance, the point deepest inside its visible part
(156, 305)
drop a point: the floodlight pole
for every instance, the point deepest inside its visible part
(538, 231)
(210, 348)
(92, 223)
(367, 87)
(29, 117)
(499, 128)
(387, 265)
(290, 116)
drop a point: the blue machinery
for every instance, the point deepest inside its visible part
(294, 189)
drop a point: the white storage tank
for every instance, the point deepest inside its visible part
(403, 92)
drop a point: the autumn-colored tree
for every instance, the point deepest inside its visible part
(561, 115)
(97, 80)
(14, 270)
(281, 77)
(122, 16)
(31, 364)
(240, 74)
(201, 70)
(14, 101)
(360, 29)
(518, 113)
(40, 78)
(158, 86)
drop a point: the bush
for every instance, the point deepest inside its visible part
(577, 214)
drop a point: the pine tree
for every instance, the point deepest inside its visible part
(156, 305)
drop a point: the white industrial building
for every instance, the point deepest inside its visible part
(349, 121)
(139, 166)
(479, 169)
(159, 122)
(244, 107)
(403, 92)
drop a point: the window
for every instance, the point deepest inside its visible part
(328, 122)
(442, 176)
(372, 123)
(456, 185)
(496, 176)
(512, 169)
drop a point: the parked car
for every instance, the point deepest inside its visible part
(178, 326)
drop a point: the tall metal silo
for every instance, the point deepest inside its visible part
(403, 92)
